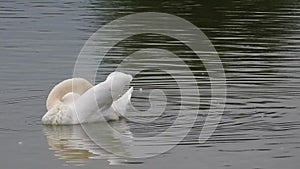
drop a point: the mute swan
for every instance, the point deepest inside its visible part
(76, 100)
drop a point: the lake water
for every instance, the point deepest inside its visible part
(257, 42)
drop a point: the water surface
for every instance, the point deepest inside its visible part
(257, 41)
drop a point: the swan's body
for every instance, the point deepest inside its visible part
(75, 101)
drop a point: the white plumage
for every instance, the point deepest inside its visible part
(75, 101)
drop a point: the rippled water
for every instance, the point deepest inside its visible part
(257, 41)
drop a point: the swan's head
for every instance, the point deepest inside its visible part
(118, 81)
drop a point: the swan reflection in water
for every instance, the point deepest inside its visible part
(72, 144)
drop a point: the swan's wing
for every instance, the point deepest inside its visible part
(99, 99)
(115, 111)
(88, 107)
(120, 105)
(97, 104)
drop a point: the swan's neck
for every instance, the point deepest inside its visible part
(70, 98)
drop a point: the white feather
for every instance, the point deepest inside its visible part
(75, 101)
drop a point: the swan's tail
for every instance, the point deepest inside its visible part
(120, 106)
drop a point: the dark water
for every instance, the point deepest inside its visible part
(257, 41)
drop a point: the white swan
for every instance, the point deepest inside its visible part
(75, 101)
